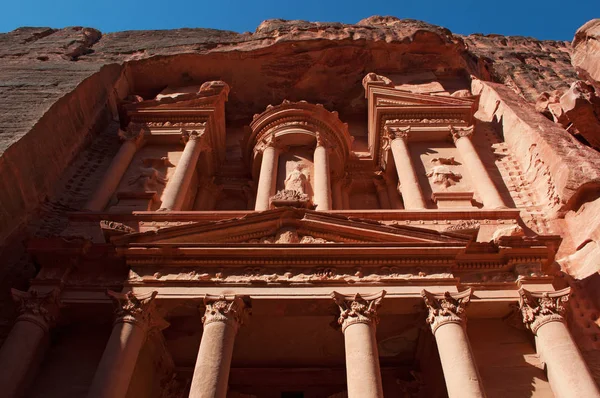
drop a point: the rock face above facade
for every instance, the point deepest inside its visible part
(586, 51)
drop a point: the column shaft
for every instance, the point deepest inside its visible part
(135, 317)
(543, 314)
(113, 176)
(358, 318)
(322, 191)
(447, 317)
(20, 355)
(409, 183)
(211, 373)
(479, 176)
(118, 361)
(222, 319)
(567, 372)
(27, 341)
(362, 361)
(458, 363)
(179, 184)
(267, 179)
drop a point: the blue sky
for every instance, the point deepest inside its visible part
(550, 19)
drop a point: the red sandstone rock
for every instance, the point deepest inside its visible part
(581, 106)
(586, 52)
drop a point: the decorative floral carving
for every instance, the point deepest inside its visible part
(135, 132)
(357, 308)
(116, 226)
(459, 132)
(537, 309)
(446, 308)
(228, 309)
(41, 309)
(137, 309)
(410, 120)
(394, 133)
(464, 225)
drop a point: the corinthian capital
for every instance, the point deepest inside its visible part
(396, 133)
(357, 308)
(228, 309)
(538, 309)
(446, 308)
(135, 133)
(459, 132)
(137, 309)
(41, 309)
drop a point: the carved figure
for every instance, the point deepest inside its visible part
(149, 178)
(297, 180)
(442, 175)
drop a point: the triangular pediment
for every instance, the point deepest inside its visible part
(392, 97)
(291, 226)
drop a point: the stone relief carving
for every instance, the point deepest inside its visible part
(357, 308)
(137, 309)
(297, 179)
(148, 177)
(446, 308)
(460, 132)
(116, 227)
(464, 225)
(41, 309)
(228, 309)
(442, 174)
(261, 275)
(537, 309)
(288, 235)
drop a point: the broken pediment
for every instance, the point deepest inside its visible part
(292, 226)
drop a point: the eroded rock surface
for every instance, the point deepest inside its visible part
(586, 51)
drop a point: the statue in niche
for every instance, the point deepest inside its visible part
(297, 180)
(148, 177)
(294, 191)
(442, 174)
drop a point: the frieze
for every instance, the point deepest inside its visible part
(175, 124)
(293, 275)
(424, 120)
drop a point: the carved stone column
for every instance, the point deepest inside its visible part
(135, 318)
(382, 193)
(132, 141)
(447, 319)
(27, 341)
(322, 189)
(543, 314)
(179, 184)
(358, 319)
(479, 176)
(267, 179)
(222, 319)
(409, 182)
